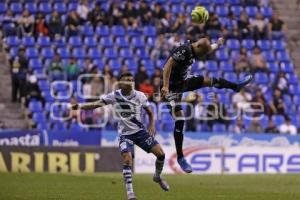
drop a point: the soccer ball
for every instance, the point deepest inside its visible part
(199, 15)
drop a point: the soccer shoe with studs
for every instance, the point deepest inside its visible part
(248, 78)
(185, 166)
(131, 196)
(163, 184)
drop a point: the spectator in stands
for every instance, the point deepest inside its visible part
(9, 24)
(97, 86)
(242, 62)
(159, 12)
(26, 24)
(124, 69)
(239, 127)
(156, 89)
(259, 27)
(89, 67)
(213, 26)
(287, 127)
(157, 73)
(281, 83)
(180, 25)
(161, 49)
(242, 99)
(130, 14)
(72, 69)
(140, 76)
(255, 126)
(164, 25)
(257, 61)
(277, 105)
(55, 25)
(32, 88)
(41, 28)
(19, 67)
(145, 14)
(73, 24)
(276, 25)
(97, 16)
(244, 26)
(271, 128)
(115, 14)
(55, 69)
(147, 88)
(83, 10)
(259, 102)
(107, 71)
(216, 113)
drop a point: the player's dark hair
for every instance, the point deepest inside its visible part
(126, 74)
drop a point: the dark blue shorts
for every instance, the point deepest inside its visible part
(141, 139)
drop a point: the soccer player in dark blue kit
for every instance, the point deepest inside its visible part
(177, 80)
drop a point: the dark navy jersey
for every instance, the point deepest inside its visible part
(184, 58)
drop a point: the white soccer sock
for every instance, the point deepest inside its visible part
(127, 174)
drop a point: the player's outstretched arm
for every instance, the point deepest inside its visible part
(88, 106)
(151, 127)
(166, 76)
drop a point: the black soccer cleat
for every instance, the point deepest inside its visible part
(162, 183)
(248, 78)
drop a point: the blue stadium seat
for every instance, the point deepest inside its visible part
(269, 56)
(126, 53)
(35, 106)
(61, 42)
(150, 31)
(287, 101)
(16, 7)
(131, 63)
(294, 89)
(28, 41)
(151, 42)
(277, 119)
(94, 53)
(118, 30)
(64, 52)
(47, 53)
(266, 11)
(212, 65)
(296, 100)
(3, 8)
(60, 7)
(261, 78)
(99, 63)
(106, 42)
(45, 7)
(190, 2)
(222, 11)
(35, 63)
(79, 53)
(103, 31)
(142, 54)
(115, 64)
(287, 67)
(12, 41)
(204, 2)
(44, 85)
(236, 10)
(278, 45)
(87, 30)
(90, 42)
(282, 56)
(234, 2)
(273, 67)
(233, 44)
(122, 42)
(42, 126)
(226, 66)
(138, 42)
(177, 8)
(264, 45)
(44, 41)
(39, 118)
(222, 55)
(75, 41)
(174, 1)
(31, 7)
(292, 78)
(160, 63)
(59, 126)
(251, 11)
(230, 76)
(219, 128)
(32, 53)
(248, 44)
(75, 127)
(148, 63)
(72, 6)
(111, 53)
(13, 51)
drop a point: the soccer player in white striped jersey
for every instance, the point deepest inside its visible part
(127, 104)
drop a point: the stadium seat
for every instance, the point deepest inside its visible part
(64, 53)
(233, 44)
(277, 119)
(31, 7)
(102, 31)
(32, 53)
(45, 7)
(78, 53)
(118, 31)
(292, 79)
(90, 41)
(122, 42)
(126, 53)
(60, 7)
(72, 6)
(273, 67)
(151, 42)
(219, 128)
(142, 54)
(99, 63)
(278, 45)
(226, 66)
(12, 41)
(115, 64)
(111, 53)
(264, 45)
(138, 42)
(251, 11)
(286, 67)
(222, 55)
(248, 44)
(294, 89)
(35, 106)
(13, 51)
(287, 101)
(94, 53)
(44, 85)
(131, 63)
(39, 118)
(44, 41)
(261, 78)
(87, 30)
(28, 41)
(230, 76)
(106, 42)
(269, 56)
(148, 63)
(149, 31)
(75, 41)
(236, 10)
(266, 11)
(35, 63)
(212, 65)
(3, 8)
(282, 56)
(234, 2)
(177, 8)
(47, 53)
(222, 11)
(16, 7)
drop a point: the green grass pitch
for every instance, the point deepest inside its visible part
(109, 186)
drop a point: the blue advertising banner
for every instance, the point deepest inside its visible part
(110, 138)
(21, 138)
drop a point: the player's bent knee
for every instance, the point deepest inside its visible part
(127, 159)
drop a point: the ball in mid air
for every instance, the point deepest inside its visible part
(199, 15)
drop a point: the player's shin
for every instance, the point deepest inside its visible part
(178, 136)
(159, 165)
(127, 174)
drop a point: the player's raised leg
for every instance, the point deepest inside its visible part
(159, 165)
